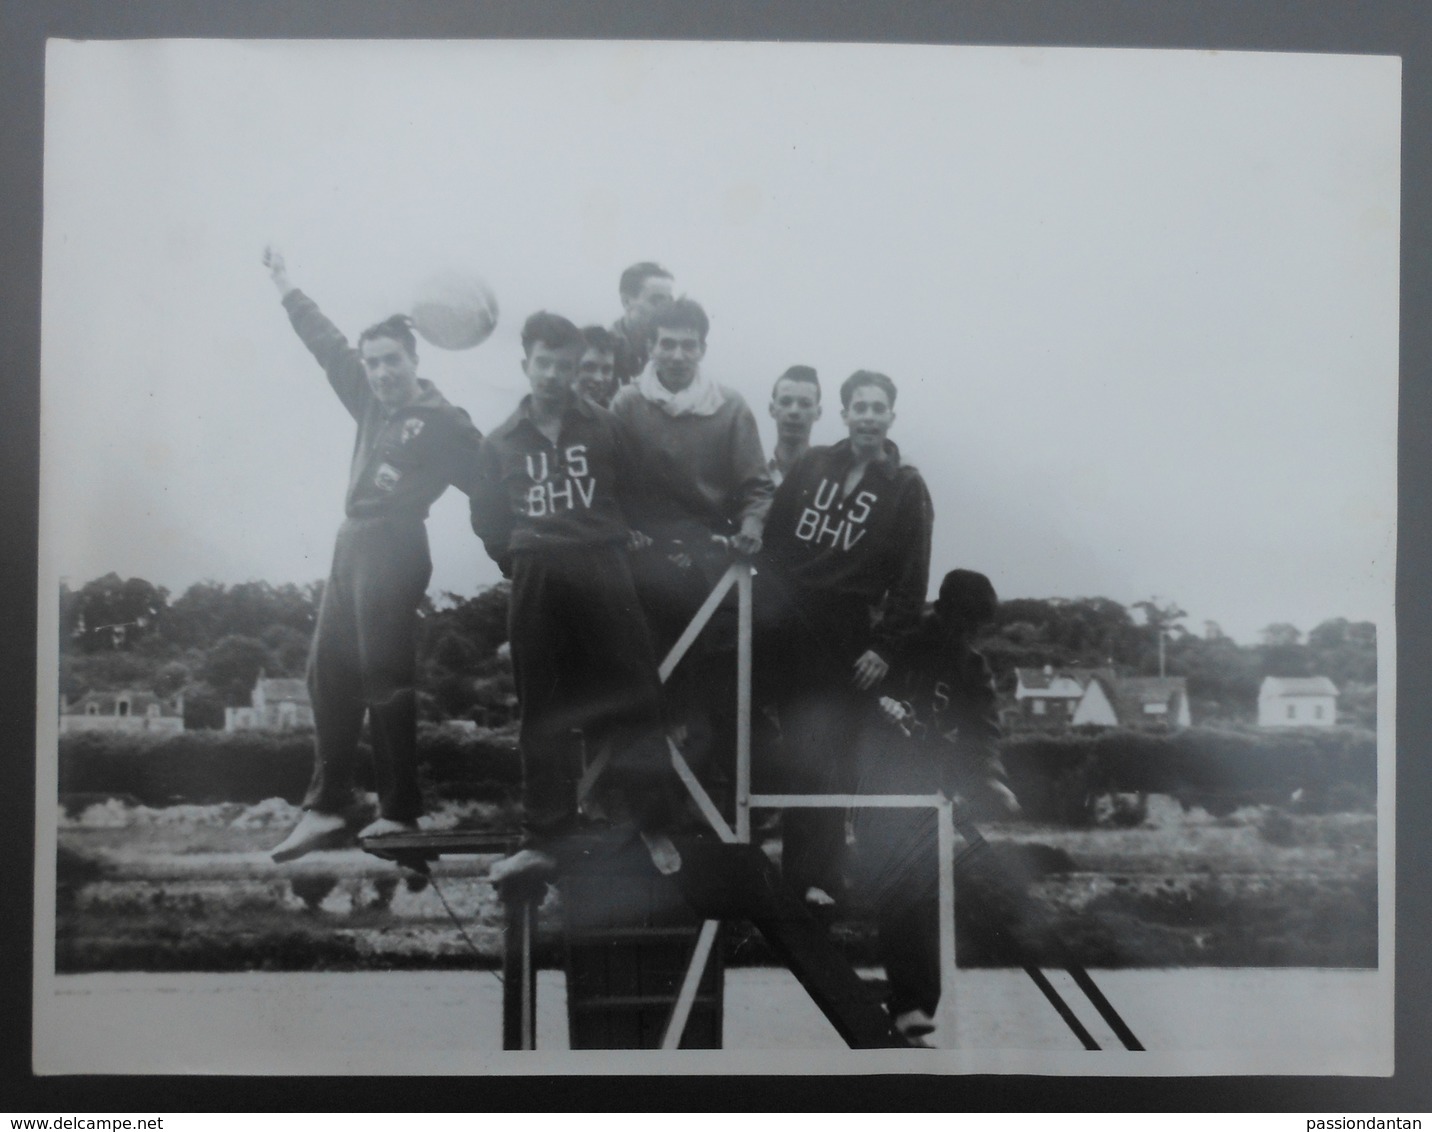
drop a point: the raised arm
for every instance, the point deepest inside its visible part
(326, 342)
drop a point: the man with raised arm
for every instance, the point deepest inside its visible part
(411, 445)
(795, 407)
(549, 503)
(841, 588)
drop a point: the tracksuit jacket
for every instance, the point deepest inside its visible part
(532, 494)
(552, 516)
(362, 659)
(402, 461)
(951, 689)
(870, 548)
(702, 471)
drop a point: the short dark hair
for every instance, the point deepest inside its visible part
(683, 314)
(599, 338)
(552, 330)
(865, 377)
(806, 375)
(634, 277)
(967, 599)
(398, 327)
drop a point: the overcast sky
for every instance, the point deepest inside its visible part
(1141, 306)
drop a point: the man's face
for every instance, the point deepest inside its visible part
(869, 417)
(551, 373)
(675, 354)
(795, 407)
(596, 375)
(392, 372)
(653, 298)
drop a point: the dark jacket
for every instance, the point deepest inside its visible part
(704, 473)
(403, 459)
(951, 689)
(631, 354)
(871, 546)
(531, 494)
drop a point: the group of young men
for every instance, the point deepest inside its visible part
(614, 497)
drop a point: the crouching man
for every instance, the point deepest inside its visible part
(548, 506)
(411, 445)
(947, 742)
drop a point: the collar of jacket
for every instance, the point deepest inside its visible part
(841, 454)
(523, 414)
(427, 400)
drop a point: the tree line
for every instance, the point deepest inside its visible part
(212, 642)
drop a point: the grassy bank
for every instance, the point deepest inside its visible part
(191, 888)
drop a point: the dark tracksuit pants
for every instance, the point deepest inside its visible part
(701, 692)
(363, 661)
(582, 660)
(807, 647)
(895, 868)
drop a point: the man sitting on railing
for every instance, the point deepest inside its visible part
(841, 585)
(706, 494)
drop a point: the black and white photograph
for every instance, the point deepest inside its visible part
(614, 556)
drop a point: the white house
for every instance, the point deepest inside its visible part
(1297, 701)
(279, 704)
(122, 711)
(1051, 696)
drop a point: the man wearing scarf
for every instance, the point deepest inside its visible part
(706, 489)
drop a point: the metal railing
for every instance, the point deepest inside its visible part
(738, 574)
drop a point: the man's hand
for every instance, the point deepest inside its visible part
(870, 669)
(746, 545)
(894, 711)
(1003, 796)
(278, 270)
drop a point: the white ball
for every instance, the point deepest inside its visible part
(454, 310)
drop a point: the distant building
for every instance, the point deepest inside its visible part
(1297, 701)
(1158, 701)
(1051, 699)
(124, 710)
(279, 704)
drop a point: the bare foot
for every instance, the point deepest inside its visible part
(315, 830)
(664, 855)
(525, 864)
(386, 827)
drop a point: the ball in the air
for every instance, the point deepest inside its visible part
(454, 311)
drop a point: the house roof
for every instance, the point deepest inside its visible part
(285, 688)
(138, 701)
(1297, 686)
(1057, 681)
(1150, 689)
(1132, 694)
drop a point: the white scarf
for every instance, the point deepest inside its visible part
(699, 399)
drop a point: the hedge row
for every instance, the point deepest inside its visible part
(1060, 777)
(1057, 777)
(206, 767)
